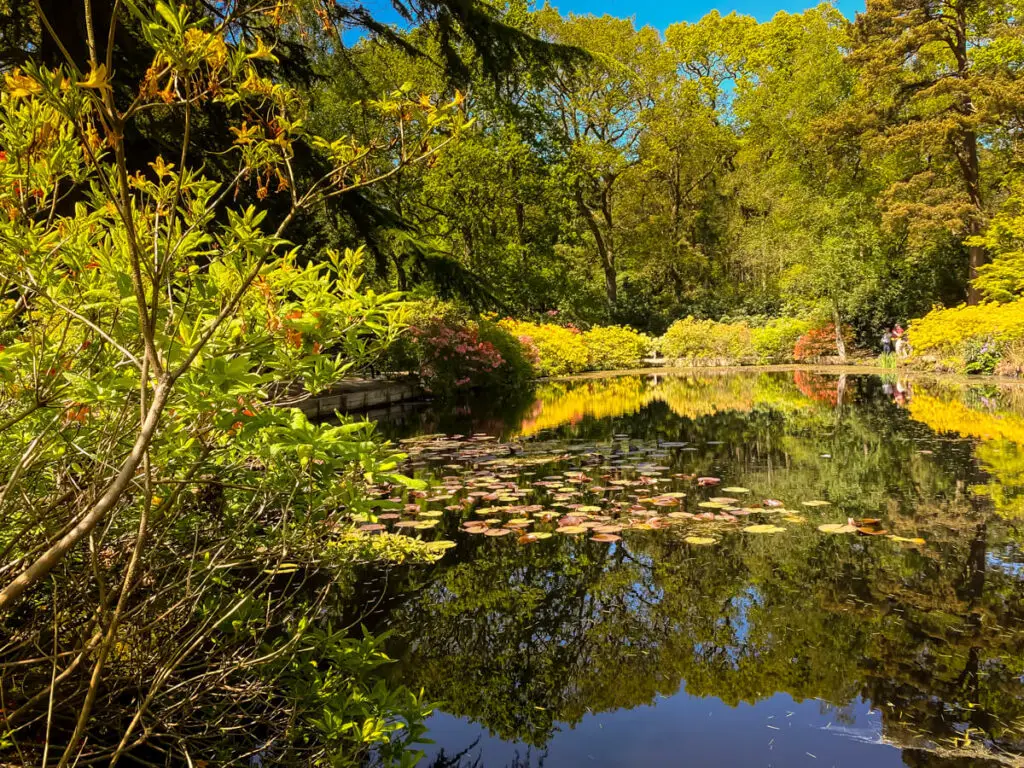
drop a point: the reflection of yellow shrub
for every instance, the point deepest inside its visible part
(1004, 460)
(691, 397)
(559, 404)
(952, 415)
(945, 332)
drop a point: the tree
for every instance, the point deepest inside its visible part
(153, 330)
(599, 111)
(935, 102)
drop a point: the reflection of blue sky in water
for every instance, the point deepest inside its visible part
(684, 730)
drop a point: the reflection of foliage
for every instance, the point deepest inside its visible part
(1004, 461)
(567, 403)
(561, 403)
(946, 412)
(821, 389)
(520, 639)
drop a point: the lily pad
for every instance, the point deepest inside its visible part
(736, 489)
(764, 528)
(441, 545)
(571, 529)
(700, 541)
(817, 503)
(497, 532)
(605, 538)
(837, 528)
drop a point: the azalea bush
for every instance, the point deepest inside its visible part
(821, 342)
(974, 337)
(614, 347)
(555, 350)
(692, 339)
(171, 526)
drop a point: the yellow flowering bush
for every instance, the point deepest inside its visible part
(949, 335)
(556, 351)
(612, 347)
(692, 339)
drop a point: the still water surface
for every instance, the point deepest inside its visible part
(692, 636)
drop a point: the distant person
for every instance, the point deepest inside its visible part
(886, 342)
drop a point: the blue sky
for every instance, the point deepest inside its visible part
(661, 13)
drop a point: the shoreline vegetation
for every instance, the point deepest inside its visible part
(449, 351)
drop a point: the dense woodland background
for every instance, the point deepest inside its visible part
(728, 168)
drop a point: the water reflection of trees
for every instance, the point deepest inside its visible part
(520, 639)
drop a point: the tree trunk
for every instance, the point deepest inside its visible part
(970, 166)
(840, 344)
(604, 249)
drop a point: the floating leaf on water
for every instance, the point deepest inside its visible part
(700, 541)
(773, 503)
(477, 529)
(605, 538)
(571, 529)
(422, 525)
(904, 540)
(763, 528)
(736, 489)
(440, 545)
(817, 503)
(371, 527)
(497, 532)
(681, 515)
(705, 481)
(872, 531)
(407, 523)
(837, 528)
(389, 516)
(588, 509)
(432, 513)
(711, 504)
(608, 529)
(791, 518)
(867, 521)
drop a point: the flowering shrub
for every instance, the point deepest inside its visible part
(957, 336)
(615, 346)
(820, 342)
(556, 351)
(453, 357)
(775, 340)
(694, 339)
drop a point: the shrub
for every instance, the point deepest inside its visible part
(556, 351)
(956, 336)
(450, 352)
(775, 340)
(821, 342)
(694, 339)
(615, 346)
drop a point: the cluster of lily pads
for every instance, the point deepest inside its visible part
(535, 490)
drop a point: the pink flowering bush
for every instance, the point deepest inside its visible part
(451, 353)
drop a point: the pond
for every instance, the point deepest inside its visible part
(776, 569)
